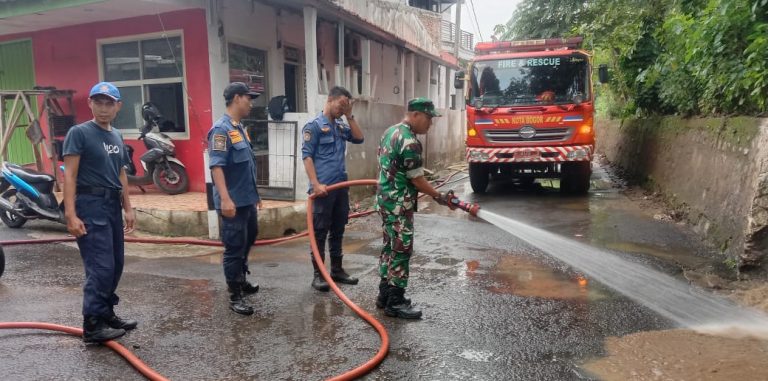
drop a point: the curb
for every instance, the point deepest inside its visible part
(273, 222)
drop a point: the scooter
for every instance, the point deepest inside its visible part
(161, 167)
(25, 195)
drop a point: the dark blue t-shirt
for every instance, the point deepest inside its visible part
(102, 154)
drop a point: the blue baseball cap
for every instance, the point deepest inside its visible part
(105, 88)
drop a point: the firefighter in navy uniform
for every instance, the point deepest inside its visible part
(325, 144)
(235, 195)
(94, 184)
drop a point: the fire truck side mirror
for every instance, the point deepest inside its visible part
(458, 80)
(602, 73)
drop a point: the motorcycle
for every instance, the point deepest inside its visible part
(25, 195)
(161, 167)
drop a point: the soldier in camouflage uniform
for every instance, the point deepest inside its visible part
(401, 178)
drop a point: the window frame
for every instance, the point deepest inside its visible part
(134, 133)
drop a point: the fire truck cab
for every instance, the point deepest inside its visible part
(530, 112)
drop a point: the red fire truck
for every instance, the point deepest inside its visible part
(530, 111)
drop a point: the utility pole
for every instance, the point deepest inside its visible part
(457, 41)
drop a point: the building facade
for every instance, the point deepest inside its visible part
(180, 54)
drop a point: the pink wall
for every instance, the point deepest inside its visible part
(67, 58)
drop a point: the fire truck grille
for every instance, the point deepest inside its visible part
(542, 135)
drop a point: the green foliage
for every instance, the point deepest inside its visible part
(544, 19)
(688, 57)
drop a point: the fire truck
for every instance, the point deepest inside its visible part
(530, 109)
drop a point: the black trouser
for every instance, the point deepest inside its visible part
(330, 217)
(102, 249)
(238, 235)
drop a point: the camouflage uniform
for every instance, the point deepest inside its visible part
(396, 200)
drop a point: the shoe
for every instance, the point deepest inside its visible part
(236, 302)
(338, 274)
(397, 307)
(249, 288)
(96, 330)
(381, 300)
(319, 283)
(116, 322)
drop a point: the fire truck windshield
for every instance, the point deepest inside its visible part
(530, 81)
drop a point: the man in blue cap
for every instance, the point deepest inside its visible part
(323, 151)
(94, 194)
(235, 195)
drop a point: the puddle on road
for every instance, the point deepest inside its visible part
(681, 355)
(527, 277)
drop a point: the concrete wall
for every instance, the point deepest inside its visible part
(715, 171)
(445, 142)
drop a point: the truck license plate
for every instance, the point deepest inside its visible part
(527, 154)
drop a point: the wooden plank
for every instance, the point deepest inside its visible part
(10, 127)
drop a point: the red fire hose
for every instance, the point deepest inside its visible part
(369, 365)
(149, 373)
(143, 368)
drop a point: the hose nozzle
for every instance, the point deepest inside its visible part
(468, 207)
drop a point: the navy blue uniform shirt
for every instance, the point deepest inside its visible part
(229, 148)
(102, 154)
(326, 143)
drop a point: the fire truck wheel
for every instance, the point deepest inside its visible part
(575, 177)
(478, 177)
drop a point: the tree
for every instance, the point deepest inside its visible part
(544, 19)
(667, 56)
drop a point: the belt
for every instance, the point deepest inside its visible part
(99, 191)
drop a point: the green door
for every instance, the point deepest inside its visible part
(17, 72)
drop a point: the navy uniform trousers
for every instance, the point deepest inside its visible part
(102, 250)
(330, 215)
(238, 235)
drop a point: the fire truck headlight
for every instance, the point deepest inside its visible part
(478, 156)
(577, 154)
(585, 129)
(472, 132)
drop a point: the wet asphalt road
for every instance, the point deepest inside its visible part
(495, 308)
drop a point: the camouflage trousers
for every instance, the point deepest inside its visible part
(395, 257)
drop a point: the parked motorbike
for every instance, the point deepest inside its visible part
(161, 167)
(25, 195)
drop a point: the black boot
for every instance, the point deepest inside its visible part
(249, 288)
(397, 307)
(126, 324)
(318, 282)
(381, 300)
(96, 330)
(236, 302)
(338, 274)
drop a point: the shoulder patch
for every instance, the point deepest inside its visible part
(307, 136)
(235, 136)
(219, 142)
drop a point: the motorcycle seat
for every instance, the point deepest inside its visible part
(30, 176)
